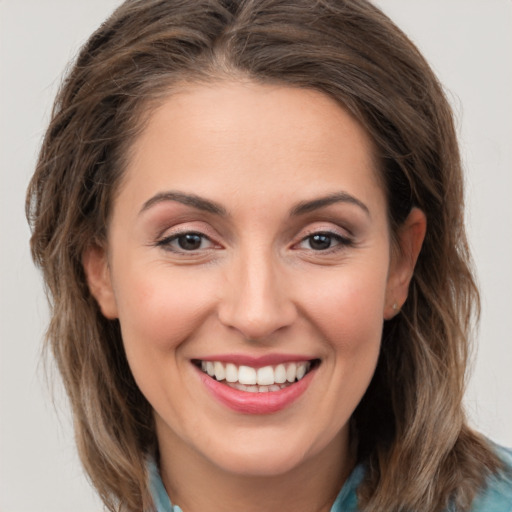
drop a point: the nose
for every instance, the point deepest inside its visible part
(257, 299)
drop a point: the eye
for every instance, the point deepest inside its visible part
(186, 242)
(323, 241)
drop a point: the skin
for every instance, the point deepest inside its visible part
(256, 285)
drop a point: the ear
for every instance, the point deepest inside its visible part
(410, 238)
(97, 272)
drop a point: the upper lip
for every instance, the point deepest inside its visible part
(256, 361)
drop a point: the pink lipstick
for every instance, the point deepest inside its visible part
(262, 385)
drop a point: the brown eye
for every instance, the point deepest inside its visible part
(320, 241)
(189, 241)
(324, 241)
(186, 242)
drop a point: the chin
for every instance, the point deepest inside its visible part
(263, 463)
(267, 453)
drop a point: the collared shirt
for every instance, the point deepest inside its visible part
(495, 497)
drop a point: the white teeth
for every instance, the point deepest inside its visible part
(259, 389)
(262, 380)
(265, 376)
(291, 372)
(220, 372)
(246, 375)
(280, 374)
(231, 373)
(301, 370)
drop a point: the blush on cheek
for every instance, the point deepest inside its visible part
(349, 313)
(162, 312)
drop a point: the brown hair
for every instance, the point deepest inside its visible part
(420, 453)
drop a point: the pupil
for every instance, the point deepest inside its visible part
(320, 242)
(190, 241)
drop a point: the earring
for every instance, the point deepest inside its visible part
(395, 307)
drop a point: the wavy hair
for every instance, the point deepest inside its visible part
(413, 436)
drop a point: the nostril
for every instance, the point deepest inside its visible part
(256, 301)
(256, 324)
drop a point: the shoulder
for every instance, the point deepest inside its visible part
(497, 494)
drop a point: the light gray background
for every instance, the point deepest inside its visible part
(469, 44)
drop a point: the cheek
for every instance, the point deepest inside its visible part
(161, 308)
(348, 309)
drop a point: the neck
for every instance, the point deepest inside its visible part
(198, 485)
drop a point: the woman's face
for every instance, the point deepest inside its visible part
(249, 239)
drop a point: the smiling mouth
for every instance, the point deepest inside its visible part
(265, 379)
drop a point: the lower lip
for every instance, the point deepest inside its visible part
(256, 403)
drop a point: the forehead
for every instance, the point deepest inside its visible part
(249, 138)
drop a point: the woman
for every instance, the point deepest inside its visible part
(248, 215)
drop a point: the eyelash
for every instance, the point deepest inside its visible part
(166, 242)
(341, 242)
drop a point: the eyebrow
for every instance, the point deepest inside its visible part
(209, 206)
(187, 199)
(341, 197)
